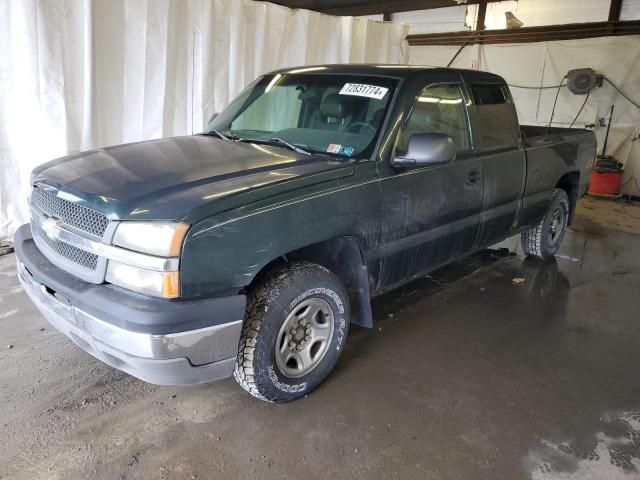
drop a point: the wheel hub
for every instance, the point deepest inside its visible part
(304, 337)
(299, 335)
(555, 225)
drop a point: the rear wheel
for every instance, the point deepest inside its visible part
(295, 328)
(543, 240)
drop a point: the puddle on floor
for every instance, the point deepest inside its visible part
(611, 454)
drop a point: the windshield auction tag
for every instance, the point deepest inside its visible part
(363, 90)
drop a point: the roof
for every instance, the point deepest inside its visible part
(387, 70)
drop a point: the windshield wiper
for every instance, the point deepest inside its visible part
(228, 136)
(290, 146)
(224, 136)
(278, 142)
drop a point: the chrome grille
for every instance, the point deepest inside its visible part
(72, 214)
(71, 253)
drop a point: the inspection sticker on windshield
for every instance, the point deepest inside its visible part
(340, 149)
(363, 90)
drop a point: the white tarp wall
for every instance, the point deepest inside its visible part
(79, 74)
(544, 63)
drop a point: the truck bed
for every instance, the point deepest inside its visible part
(551, 153)
(530, 132)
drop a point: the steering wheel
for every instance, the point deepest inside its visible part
(361, 124)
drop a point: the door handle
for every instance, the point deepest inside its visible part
(473, 176)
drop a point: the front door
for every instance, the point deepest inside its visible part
(430, 214)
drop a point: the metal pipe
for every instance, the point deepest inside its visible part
(606, 137)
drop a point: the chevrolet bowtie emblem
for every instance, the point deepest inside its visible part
(51, 228)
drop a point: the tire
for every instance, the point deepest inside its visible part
(300, 297)
(544, 240)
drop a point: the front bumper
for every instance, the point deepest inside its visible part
(176, 358)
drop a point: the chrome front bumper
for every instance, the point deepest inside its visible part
(183, 358)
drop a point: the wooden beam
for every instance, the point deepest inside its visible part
(372, 7)
(530, 34)
(386, 16)
(614, 10)
(482, 13)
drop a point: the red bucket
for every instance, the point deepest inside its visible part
(605, 183)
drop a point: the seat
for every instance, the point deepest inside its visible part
(335, 113)
(377, 118)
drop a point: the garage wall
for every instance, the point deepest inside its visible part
(80, 74)
(544, 64)
(438, 20)
(541, 12)
(530, 12)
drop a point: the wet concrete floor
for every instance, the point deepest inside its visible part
(495, 367)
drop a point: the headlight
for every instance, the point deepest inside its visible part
(163, 239)
(159, 284)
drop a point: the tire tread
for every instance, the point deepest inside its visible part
(532, 239)
(259, 301)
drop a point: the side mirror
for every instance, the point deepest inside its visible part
(427, 149)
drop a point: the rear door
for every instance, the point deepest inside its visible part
(430, 213)
(497, 138)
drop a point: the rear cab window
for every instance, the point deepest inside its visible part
(496, 125)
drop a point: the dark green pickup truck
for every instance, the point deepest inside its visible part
(250, 248)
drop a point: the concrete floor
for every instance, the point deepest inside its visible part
(468, 374)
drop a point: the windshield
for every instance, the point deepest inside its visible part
(332, 114)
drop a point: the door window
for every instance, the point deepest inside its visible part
(496, 121)
(438, 109)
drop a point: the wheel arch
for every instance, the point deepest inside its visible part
(343, 256)
(570, 183)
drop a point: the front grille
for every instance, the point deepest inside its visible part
(71, 253)
(72, 214)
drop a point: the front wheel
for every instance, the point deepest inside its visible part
(295, 328)
(543, 240)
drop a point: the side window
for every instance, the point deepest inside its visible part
(497, 124)
(439, 109)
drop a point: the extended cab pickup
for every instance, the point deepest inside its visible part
(250, 248)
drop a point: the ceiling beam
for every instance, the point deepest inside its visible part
(482, 13)
(373, 7)
(614, 10)
(529, 34)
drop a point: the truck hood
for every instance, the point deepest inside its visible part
(167, 179)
